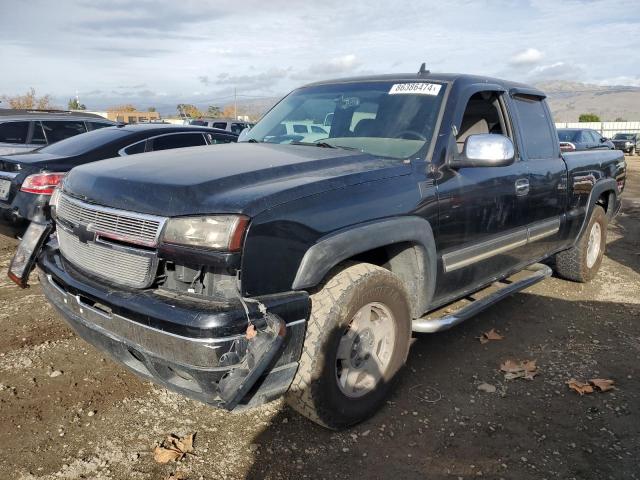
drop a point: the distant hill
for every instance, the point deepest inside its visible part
(569, 99)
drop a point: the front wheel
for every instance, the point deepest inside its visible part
(356, 341)
(582, 262)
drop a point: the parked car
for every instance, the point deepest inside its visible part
(26, 130)
(28, 179)
(627, 142)
(247, 272)
(234, 126)
(298, 131)
(577, 139)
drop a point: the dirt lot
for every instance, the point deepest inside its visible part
(67, 412)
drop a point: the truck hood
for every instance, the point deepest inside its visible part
(235, 178)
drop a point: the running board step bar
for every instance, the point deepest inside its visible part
(471, 305)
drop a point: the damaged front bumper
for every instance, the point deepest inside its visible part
(196, 347)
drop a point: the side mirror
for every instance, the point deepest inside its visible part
(485, 150)
(603, 139)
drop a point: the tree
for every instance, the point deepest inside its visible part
(189, 110)
(151, 109)
(74, 104)
(588, 117)
(127, 107)
(29, 101)
(229, 112)
(214, 111)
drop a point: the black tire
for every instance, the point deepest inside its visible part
(572, 264)
(315, 392)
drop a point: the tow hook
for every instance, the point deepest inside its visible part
(262, 345)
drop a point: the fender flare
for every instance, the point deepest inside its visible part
(601, 186)
(338, 246)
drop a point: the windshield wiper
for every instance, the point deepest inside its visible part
(323, 145)
(252, 140)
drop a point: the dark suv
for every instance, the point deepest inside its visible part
(627, 142)
(26, 130)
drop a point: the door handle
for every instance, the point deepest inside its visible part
(522, 187)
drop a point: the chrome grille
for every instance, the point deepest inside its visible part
(117, 264)
(117, 224)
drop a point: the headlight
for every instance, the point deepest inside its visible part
(627, 144)
(215, 232)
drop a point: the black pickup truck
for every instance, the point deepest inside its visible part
(292, 265)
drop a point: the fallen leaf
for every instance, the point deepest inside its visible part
(579, 387)
(177, 476)
(511, 366)
(165, 455)
(526, 369)
(487, 387)
(490, 335)
(602, 384)
(174, 448)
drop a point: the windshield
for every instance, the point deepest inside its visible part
(624, 136)
(568, 135)
(84, 142)
(381, 118)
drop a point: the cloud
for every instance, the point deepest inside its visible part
(530, 56)
(264, 79)
(556, 71)
(268, 48)
(337, 65)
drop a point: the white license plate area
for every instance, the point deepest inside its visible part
(5, 188)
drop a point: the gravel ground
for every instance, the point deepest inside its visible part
(67, 412)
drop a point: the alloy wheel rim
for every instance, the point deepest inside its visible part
(593, 246)
(365, 350)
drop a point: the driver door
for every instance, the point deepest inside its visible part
(482, 210)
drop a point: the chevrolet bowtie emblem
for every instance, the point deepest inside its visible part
(84, 234)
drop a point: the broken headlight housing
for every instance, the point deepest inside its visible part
(214, 232)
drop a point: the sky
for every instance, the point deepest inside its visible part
(188, 51)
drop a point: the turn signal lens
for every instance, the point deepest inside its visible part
(42, 183)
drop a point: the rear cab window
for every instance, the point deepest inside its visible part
(535, 125)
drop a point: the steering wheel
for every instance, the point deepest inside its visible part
(412, 133)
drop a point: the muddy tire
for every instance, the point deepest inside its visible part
(582, 262)
(357, 340)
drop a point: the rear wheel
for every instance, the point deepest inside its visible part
(357, 339)
(582, 262)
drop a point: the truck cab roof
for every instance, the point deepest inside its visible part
(458, 78)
